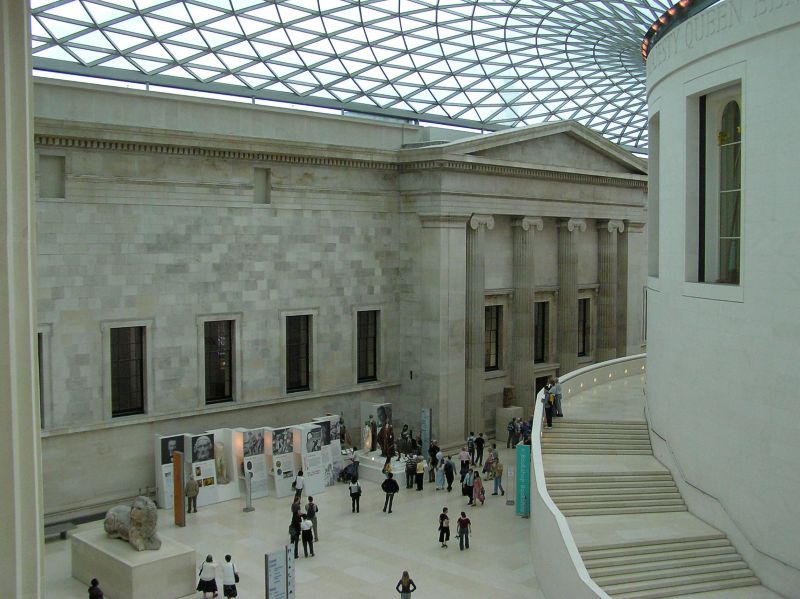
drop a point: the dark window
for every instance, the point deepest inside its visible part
(297, 353)
(219, 360)
(540, 332)
(127, 371)
(493, 322)
(40, 353)
(367, 346)
(583, 327)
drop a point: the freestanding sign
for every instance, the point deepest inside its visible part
(523, 480)
(279, 573)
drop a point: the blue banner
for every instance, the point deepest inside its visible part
(425, 430)
(523, 480)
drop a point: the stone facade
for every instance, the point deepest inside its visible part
(165, 212)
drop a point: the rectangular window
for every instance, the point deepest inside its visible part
(583, 326)
(367, 346)
(540, 313)
(219, 363)
(493, 320)
(127, 371)
(298, 339)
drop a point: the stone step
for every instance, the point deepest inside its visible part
(664, 564)
(561, 427)
(674, 581)
(571, 504)
(562, 499)
(586, 424)
(609, 511)
(654, 556)
(578, 477)
(585, 451)
(693, 542)
(720, 569)
(690, 589)
(597, 437)
(609, 491)
(596, 440)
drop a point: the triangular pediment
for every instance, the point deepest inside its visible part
(565, 144)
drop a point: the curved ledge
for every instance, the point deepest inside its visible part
(556, 560)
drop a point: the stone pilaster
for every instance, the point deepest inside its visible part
(607, 296)
(476, 283)
(21, 543)
(524, 283)
(568, 293)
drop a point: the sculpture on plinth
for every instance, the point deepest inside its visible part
(386, 440)
(219, 463)
(135, 523)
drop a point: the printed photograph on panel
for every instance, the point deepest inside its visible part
(314, 440)
(384, 415)
(253, 443)
(282, 441)
(203, 448)
(170, 445)
(335, 433)
(325, 425)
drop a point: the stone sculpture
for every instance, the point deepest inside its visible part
(135, 523)
(219, 463)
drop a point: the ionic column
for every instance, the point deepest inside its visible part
(524, 282)
(21, 544)
(476, 228)
(568, 293)
(607, 296)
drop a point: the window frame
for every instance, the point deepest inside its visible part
(376, 350)
(498, 319)
(44, 333)
(150, 332)
(585, 337)
(311, 367)
(545, 331)
(236, 352)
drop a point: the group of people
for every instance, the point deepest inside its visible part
(304, 524)
(551, 398)
(207, 582)
(463, 528)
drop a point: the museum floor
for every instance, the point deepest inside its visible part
(359, 555)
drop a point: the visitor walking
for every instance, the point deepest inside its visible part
(471, 447)
(405, 586)
(498, 476)
(311, 512)
(466, 486)
(230, 576)
(298, 484)
(444, 527)
(440, 475)
(478, 493)
(355, 495)
(557, 392)
(548, 399)
(463, 457)
(411, 470)
(192, 490)
(308, 535)
(510, 431)
(95, 592)
(464, 529)
(294, 531)
(479, 443)
(433, 450)
(208, 577)
(390, 487)
(449, 472)
(420, 474)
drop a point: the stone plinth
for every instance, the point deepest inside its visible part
(502, 416)
(370, 466)
(125, 573)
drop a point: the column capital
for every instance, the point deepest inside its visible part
(476, 220)
(611, 225)
(573, 223)
(526, 222)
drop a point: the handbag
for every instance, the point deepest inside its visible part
(235, 574)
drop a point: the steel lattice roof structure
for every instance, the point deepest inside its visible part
(485, 64)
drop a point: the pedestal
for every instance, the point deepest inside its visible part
(501, 419)
(124, 573)
(370, 466)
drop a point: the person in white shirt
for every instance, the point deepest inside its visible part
(208, 577)
(355, 494)
(229, 578)
(299, 483)
(308, 536)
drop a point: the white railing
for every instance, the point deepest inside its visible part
(557, 563)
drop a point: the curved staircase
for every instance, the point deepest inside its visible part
(627, 516)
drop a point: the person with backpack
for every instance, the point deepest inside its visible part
(449, 472)
(479, 443)
(390, 487)
(471, 448)
(355, 495)
(311, 512)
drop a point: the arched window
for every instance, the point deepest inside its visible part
(729, 139)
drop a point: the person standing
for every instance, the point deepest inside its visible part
(548, 399)
(449, 472)
(517, 431)
(478, 494)
(311, 512)
(294, 531)
(230, 576)
(479, 443)
(464, 529)
(420, 475)
(498, 476)
(440, 475)
(463, 457)
(355, 495)
(510, 430)
(192, 490)
(471, 448)
(208, 577)
(405, 586)
(557, 392)
(466, 486)
(95, 592)
(390, 487)
(411, 471)
(444, 527)
(433, 450)
(308, 535)
(298, 484)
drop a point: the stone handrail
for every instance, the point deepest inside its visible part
(557, 563)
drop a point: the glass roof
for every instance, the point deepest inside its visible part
(486, 64)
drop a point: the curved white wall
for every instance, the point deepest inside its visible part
(723, 361)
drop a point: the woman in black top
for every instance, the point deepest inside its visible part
(405, 586)
(444, 527)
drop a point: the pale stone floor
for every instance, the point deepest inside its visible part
(359, 555)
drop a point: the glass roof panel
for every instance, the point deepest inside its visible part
(438, 60)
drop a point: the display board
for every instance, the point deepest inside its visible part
(203, 467)
(523, 486)
(164, 448)
(255, 461)
(381, 414)
(331, 429)
(280, 456)
(308, 450)
(279, 573)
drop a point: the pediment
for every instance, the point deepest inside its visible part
(567, 145)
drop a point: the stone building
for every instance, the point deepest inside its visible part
(207, 264)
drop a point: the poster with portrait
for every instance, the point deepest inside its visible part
(255, 461)
(333, 447)
(384, 415)
(169, 445)
(203, 466)
(280, 460)
(308, 445)
(165, 447)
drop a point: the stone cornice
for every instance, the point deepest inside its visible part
(443, 221)
(528, 222)
(476, 220)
